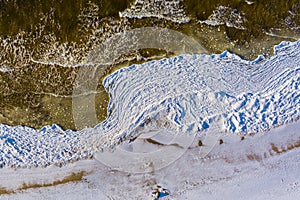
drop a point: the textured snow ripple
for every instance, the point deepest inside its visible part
(187, 94)
(195, 90)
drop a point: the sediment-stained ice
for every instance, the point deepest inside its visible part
(187, 94)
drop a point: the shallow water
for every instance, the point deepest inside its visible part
(41, 52)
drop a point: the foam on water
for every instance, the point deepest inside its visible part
(228, 16)
(170, 10)
(187, 94)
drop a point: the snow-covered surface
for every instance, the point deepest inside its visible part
(227, 172)
(187, 95)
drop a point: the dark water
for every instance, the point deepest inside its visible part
(42, 41)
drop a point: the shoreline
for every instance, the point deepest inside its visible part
(227, 164)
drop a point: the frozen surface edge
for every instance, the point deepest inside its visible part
(246, 97)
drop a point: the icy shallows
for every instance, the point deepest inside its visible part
(187, 93)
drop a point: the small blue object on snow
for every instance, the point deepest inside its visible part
(160, 192)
